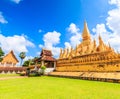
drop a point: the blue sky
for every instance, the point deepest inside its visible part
(29, 25)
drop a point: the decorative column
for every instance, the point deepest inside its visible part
(42, 63)
(5, 64)
(12, 65)
(55, 64)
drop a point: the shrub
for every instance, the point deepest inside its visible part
(43, 69)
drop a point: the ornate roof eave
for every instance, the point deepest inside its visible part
(43, 59)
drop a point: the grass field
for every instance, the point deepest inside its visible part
(8, 75)
(57, 88)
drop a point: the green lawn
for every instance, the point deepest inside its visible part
(8, 75)
(57, 88)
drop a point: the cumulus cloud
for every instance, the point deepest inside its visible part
(67, 45)
(15, 42)
(100, 29)
(108, 37)
(73, 28)
(114, 2)
(113, 20)
(51, 39)
(2, 19)
(76, 35)
(113, 23)
(16, 1)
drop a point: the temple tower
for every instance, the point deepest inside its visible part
(86, 35)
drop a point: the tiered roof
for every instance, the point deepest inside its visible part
(46, 52)
(46, 55)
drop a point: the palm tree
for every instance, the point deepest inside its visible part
(1, 54)
(22, 55)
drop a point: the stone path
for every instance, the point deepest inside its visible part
(12, 77)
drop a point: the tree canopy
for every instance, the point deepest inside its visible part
(22, 55)
(1, 54)
(30, 62)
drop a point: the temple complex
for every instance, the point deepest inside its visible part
(89, 56)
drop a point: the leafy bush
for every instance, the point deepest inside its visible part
(43, 69)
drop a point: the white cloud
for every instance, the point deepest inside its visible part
(115, 2)
(16, 43)
(2, 19)
(108, 37)
(16, 1)
(73, 28)
(113, 20)
(67, 45)
(28, 57)
(51, 39)
(76, 35)
(40, 46)
(100, 29)
(113, 23)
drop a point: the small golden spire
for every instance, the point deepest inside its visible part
(100, 40)
(109, 45)
(100, 37)
(94, 43)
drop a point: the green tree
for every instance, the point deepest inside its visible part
(1, 54)
(22, 55)
(36, 60)
(28, 62)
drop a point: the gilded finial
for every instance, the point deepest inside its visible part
(86, 32)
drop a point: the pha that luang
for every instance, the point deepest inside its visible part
(88, 56)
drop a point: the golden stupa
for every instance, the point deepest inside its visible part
(88, 56)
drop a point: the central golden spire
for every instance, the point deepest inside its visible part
(86, 33)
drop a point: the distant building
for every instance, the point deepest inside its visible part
(47, 59)
(9, 60)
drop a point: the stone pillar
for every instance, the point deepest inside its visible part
(12, 65)
(5, 64)
(42, 63)
(54, 64)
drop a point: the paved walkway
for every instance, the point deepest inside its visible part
(12, 77)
